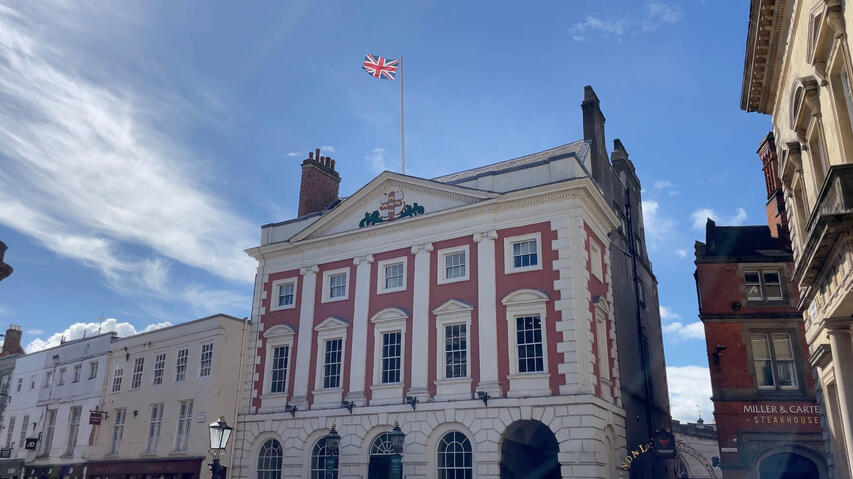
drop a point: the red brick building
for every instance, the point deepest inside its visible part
(768, 421)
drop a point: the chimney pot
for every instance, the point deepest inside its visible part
(310, 155)
(320, 184)
(333, 165)
(317, 153)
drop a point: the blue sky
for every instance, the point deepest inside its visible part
(142, 144)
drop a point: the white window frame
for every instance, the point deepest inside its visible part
(118, 377)
(442, 264)
(380, 275)
(77, 372)
(161, 369)
(450, 313)
(331, 328)
(327, 276)
(274, 293)
(155, 425)
(277, 336)
(93, 369)
(509, 264)
(388, 320)
(61, 378)
(519, 303)
(596, 260)
(186, 359)
(136, 376)
(211, 368)
(73, 429)
(182, 441)
(120, 419)
(762, 284)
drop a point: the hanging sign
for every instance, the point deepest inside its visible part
(31, 442)
(664, 444)
(95, 417)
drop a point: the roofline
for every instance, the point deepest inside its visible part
(71, 341)
(194, 321)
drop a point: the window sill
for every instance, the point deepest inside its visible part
(148, 454)
(453, 280)
(283, 308)
(524, 269)
(529, 384)
(332, 300)
(393, 290)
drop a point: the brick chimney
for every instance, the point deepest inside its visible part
(5, 269)
(12, 341)
(320, 183)
(777, 218)
(593, 131)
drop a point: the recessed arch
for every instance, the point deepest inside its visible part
(434, 438)
(529, 442)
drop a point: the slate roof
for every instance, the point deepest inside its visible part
(743, 242)
(577, 149)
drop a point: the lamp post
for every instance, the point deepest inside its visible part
(333, 441)
(220, 432)
(397, 438)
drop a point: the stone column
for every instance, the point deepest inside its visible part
(487, 315)
(842, 357)
(358, 353)
(420, 322)
(306, 326)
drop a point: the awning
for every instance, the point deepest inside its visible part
(190, 465)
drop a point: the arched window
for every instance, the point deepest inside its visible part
(319, 455)
(454, 457)
(382, 445)
(269, 460)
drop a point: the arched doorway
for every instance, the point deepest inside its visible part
(380, 457)
(529, 450)
(787, 466)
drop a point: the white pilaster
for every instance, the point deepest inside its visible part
(487, 312)
(420, 320)
(358, 356)
(303, 348)
(842, 357)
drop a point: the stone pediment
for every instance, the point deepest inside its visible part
(332, 324)
(391, 197)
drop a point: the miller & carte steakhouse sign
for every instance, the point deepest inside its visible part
(782, 413)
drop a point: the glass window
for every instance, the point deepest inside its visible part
(181, 365)
(93, 369)
(73, 429)
(280, 357)
(10, 430)
(159, 367)
(24, 425)
(48, 379)
(394, 276)
(33, 382)
(770, 348)
(270, 460)
(338, 285)
(117, 374)
(454, 265)
(77, 369)
(206, 359)
(136, 379)
(319, 454)
(285, 294)
(848, 97)
(154, 422)
(61, 380)
(20, 385)
(528, 333)
(185, 415)
(118, 429)
(524, 254)
(454, 458)
(332, 364)
(382, 445)
(455, 351)
(391, 354)
(51, 427)
(772, 285)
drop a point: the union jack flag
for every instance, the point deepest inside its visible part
(379, 67)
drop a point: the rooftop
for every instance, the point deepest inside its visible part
(742, 242)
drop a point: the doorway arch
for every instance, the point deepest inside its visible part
(787, 465)
(526, 443)
(380, 457)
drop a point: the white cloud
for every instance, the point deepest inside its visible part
(92, 168)
(680, 332)
(656, 226)
(655, 14)
(681, 253)
(663, 184)
(4, 310)
(294, 154)
(701, 215)
(666, 313)
(690, 386)
(79, 329)
(377, 160)
(328, 148)
(35, 332)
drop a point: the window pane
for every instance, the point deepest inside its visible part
(529, 339)
(455, 349)
(391, 348)
(782, 346)
(332, 365)
(524, 254)
(285, 294)
(455, 264)
(394, 276)
(338, 285)
(759, 347)
(279, 368)
(764, 373)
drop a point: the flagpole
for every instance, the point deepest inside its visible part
(402, 124)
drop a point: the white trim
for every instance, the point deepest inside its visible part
(526, 302)
(331, 328)
(442, 265)
(274, 288)
(380, 274)
(277, 336)
(327, 275)
(596, 260)
(450, 313)
(508, 257)
(388, 320)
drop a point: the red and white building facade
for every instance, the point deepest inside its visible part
(484, 294)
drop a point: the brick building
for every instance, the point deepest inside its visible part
(485, 311)
(768, 421)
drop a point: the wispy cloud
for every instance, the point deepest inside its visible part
(663, 184)
(689, 387)
(667, 314)
(655, 14)
(701, 215)
(35, 332)
(678, 331)
(377, 160)
(295, 154)
(78, 330)
(327, 148)
(657, 226)
(681, 253)
(92, 168)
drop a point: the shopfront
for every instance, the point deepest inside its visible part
(11, 468)
(188, 468)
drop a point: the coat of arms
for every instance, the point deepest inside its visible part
(392, 207)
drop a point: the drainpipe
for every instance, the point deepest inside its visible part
(239, 389)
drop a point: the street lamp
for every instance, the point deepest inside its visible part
(333, 441)
(397, 437)
(220, 432)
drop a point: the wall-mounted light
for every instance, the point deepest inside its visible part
(291, 409)
(716, 354)
(483, 396)
(348, 405)
(412, 401)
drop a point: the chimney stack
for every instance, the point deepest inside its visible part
(320, 183)
(12, 341)
(777, 218)
(593, 131)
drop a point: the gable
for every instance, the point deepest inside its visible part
(391, 197)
